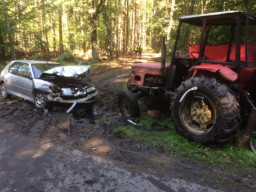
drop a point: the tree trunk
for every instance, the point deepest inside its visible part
(94, 39)
(124, 38)
(60, 31)
(154, 40)
(54, 31)
(9, 31)
(135, 25)
(97, 9)
(75, 18)
(44, 32)
(171, 20)
(191, 11)
(143, 43)
(118, 27)
(2, 46)
(127, 26)
(66, 33)
(191, 8)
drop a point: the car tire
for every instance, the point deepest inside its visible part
(128, 104)
(41, 101)
(4, 92)
(209, 114)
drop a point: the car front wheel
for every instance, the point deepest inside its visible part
(41, 101)
(4, 92)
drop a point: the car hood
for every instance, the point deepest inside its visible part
(67, 71)
(67, 74)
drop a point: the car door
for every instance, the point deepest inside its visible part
(24, 81)
(10, 78)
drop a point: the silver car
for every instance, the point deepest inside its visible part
(44, 82)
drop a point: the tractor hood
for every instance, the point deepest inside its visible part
(67, 74)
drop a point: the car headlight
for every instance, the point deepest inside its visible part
(91, 89)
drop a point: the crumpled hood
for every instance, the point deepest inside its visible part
(68, 71)
(67, 74)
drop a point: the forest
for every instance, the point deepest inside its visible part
(92, 28)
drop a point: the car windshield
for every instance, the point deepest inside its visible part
(38, 69)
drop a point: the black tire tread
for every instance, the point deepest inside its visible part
(135, 109)
(230, 109)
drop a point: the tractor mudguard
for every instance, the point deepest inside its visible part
(224, 71)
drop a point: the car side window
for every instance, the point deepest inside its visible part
(14, 68)
(24, 70)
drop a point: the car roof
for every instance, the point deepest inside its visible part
(35, 62)
(216, 18)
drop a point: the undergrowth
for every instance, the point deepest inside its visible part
(66, 57)
(35, 57)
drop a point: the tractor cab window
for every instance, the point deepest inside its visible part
(217, 43)
(189, 35)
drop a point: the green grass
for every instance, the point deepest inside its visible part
(159, 132)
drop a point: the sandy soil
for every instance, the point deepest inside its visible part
(89, 128)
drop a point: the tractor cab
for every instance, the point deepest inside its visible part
(220, 45)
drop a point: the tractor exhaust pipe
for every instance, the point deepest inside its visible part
(163, 52)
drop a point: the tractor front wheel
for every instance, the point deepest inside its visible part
(205, 111)
(128, 104)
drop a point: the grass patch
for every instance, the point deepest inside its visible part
(159, 132)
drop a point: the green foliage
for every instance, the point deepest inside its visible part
(34, 57)
(149, 49)
(66, 57)
(159, 132)
(36, 27)
(1, 67)
(3, 64)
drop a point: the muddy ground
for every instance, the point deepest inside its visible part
(89, 128)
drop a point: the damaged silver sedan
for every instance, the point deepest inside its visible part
(44, 83)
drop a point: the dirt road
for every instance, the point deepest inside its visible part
(33, 165)
(90, 129)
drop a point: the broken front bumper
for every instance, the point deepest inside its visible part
(88, 99)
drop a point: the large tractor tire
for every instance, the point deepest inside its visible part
(128, 104)
(205, 111)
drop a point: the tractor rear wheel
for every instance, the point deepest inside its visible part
(205, 111)
(128, 104)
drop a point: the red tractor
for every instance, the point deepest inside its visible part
(210, 80)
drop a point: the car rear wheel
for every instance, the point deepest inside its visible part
(205, 111)
(41, 101)
(4, 92)
(128, 104)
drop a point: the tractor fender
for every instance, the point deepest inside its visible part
(224, 71)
